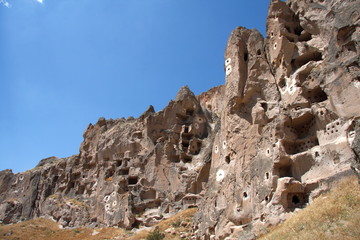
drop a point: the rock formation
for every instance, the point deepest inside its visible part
(283, 127)
(290, 117)
(145, 167)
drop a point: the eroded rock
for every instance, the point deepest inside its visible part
(249, 153)
(288, 126)
(125, 168)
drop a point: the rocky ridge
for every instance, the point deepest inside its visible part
(283, 127)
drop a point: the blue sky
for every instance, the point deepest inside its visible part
(65, 63)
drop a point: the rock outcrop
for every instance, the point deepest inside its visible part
(285, 125)
(128, 172)
(290, 118)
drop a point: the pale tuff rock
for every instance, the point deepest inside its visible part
(289, 121)
(283, 127)
(125, 168)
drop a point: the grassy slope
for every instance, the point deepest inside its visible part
(43, 229)
(334, 215)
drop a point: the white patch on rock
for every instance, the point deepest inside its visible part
(220, 174)
(268, 152)
(224, 145)
(292, 89)
(216, 149)
(357, 84)
(351, 137)
(228, 70)
(227, 61)
(290, 86)
(107, 207)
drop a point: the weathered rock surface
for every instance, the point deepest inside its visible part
(156, 164)
(285, 125)
(290, 119)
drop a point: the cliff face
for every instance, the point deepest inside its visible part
(290, 123)
(144, 167)
(283, 127)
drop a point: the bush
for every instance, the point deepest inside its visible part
(176, 224)
(155, 235)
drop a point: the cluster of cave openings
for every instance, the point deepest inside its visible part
(333, 128)
(315, 95)
(302, 127)
(188, 144)
(185, 138)
(296, 200)
(294, 147)
(190, 202)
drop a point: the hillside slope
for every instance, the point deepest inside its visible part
(334, 215)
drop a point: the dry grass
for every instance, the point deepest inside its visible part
(334, 215)
(183, 216)
(77, 202)
(44, 229)
(109, 179)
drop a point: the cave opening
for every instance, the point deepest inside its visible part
(295, 200)
(246, 57)
(227, 159)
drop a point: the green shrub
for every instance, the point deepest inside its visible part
(155, 235)
(176, 224)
